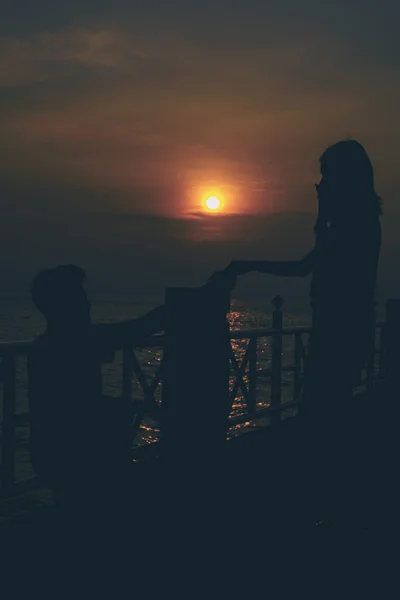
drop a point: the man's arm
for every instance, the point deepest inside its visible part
(149, 324)
(133, 331)
(290, 268)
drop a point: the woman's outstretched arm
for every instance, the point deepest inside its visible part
(286, 268)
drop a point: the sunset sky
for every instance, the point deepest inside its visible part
(116, 117)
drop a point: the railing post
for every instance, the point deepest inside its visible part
(8, 376)
(195, 394)
(382, 351)
(276, 366)
(127, 374)
(392, 354)
(297, 367)
(252, 375)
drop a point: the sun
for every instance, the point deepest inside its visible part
(213, 203)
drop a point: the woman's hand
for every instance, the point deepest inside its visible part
(238, 267)
(223, 280)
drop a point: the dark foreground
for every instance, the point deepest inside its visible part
(253, 521)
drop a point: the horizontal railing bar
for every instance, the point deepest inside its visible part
(156, 341)
(266, 332)
(22, 347)
(269, 331)
(296, 329)
(237, 334)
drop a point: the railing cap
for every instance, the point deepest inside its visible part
(278, 302)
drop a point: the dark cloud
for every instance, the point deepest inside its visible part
(111, 106)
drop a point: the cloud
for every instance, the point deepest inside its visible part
(153, 104)
(123, 108)
(39, 58)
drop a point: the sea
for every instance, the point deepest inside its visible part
(20, 321)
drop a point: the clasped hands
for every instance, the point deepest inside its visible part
(226, 279)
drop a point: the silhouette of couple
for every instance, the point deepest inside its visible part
(78, 438)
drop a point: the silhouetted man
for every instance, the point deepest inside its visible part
(79, 442)
(77, 439)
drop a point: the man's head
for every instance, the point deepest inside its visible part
(59, 295)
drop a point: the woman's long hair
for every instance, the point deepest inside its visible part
(348, 178)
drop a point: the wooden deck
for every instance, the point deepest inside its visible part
(246, 526)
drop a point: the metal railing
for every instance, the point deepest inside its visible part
(245, 370)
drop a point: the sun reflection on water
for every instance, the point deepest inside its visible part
(239, 318)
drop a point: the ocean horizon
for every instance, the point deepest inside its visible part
(20, 320)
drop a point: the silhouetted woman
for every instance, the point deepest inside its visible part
(343, 264)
